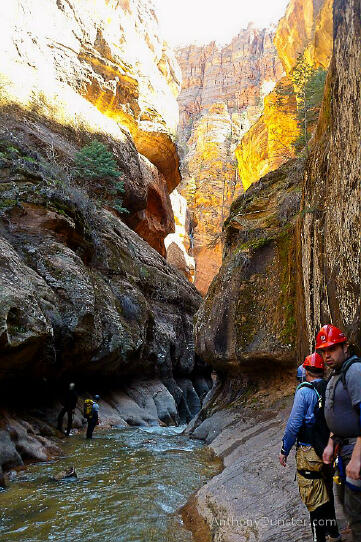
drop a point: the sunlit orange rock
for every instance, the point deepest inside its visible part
(222, 96)
(305, 29)
(102, 68)
(268, 144)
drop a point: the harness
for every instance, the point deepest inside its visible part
(310, 475)
(355, 485)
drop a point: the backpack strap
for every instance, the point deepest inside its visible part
(345, 367)
(312, 387)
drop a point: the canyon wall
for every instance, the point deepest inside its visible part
(330, 231)
(305, 29)
(222, 96)
(83, 296)
(101, 68)
(291, 264)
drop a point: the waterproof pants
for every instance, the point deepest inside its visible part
(92, 422)
(62, 413)
(316, 493)
(351, 502)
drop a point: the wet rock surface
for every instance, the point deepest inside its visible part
(247, 319)
(31, 435)
(253, 498)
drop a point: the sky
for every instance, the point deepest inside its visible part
(201, 21)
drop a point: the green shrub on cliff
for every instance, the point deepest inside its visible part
(96, 162)
(307, 86)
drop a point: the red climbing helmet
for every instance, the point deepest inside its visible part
(328, 336)
(315, 361)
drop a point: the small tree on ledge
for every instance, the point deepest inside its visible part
(95, 161)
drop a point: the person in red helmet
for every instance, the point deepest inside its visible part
(343, 417)
(306, 426)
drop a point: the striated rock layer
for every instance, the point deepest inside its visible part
(330, 235)
(305, 29)
(221, 97)
(100, 68)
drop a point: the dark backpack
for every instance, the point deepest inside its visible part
(318, 433)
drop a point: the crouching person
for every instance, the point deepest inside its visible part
(307, 428)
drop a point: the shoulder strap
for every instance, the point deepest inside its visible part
(313, 387)
(305, 385)
(345, 367)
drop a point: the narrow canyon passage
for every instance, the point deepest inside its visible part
(178, 220)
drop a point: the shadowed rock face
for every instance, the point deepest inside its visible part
(321, 280)
(247, 318)
(80, 292)
(331, 224)
(101, 69)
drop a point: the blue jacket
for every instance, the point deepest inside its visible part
(302, 412)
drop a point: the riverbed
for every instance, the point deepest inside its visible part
(130, 484)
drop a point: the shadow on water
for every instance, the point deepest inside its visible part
(130, 484)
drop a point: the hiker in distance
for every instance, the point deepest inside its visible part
(69, 402)
(343, 417)
(91, 413)
(307, 428)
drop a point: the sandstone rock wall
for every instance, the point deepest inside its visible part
(290, 264)
(221, 97)
(100, 68)
(75, 281)
(83, 296)
(288, 267)
(305, 29)
(330, 234)
(247, 318)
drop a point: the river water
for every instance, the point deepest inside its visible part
(130, 484)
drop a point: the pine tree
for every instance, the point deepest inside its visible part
(307, 86)
(95, 161)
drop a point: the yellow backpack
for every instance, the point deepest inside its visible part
(88, 408)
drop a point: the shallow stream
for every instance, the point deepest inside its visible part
(130, 484)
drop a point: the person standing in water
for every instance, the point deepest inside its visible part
(69, 402)
(91, 413)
